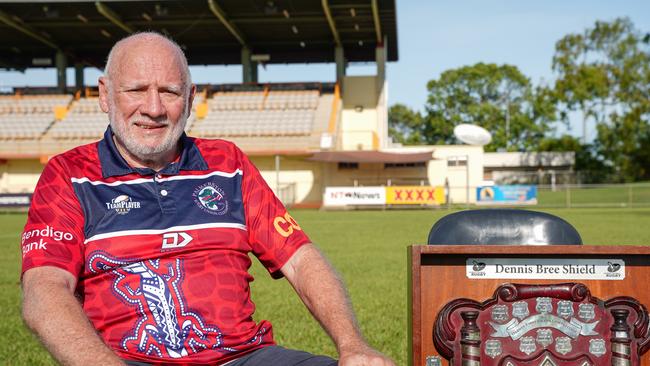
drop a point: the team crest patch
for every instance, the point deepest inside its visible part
(211, 199)
(122, 204)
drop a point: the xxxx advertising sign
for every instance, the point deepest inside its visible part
(415, 195)
(394, 195)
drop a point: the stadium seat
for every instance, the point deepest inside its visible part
(503, 226)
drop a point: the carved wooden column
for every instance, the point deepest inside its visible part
(470, 339)
(621, 350)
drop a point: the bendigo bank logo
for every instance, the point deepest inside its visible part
(122, 204)
(285, 225)
(211, 198)
(42, 235)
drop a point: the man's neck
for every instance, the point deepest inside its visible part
(156, 162)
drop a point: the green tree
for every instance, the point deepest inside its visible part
(405, 125)
(497, 97)
(589, 166)
(604, 76)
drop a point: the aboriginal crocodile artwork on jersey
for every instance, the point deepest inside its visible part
(165, 326)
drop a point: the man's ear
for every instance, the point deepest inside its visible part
(190, 98)
(103, 93)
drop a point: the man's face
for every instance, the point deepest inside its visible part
(146, 100)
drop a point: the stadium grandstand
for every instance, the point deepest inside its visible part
(304, 137)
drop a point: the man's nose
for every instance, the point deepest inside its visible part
(152, 105)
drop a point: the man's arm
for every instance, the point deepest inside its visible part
(319, 287)
(51, 310)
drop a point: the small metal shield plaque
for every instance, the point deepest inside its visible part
(500, 313)
(434, 361)
(520, 309)
(597, 347)
(586, 312)
(544, 337)
(527, 345)
(544, 305)
(493, 348)
(563, 345)
(565, 309)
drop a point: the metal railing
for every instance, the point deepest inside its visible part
(594, 195)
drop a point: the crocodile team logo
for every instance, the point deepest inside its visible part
(211, 198)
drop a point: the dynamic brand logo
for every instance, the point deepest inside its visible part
(211, 198)
(122, 204)
(176, 240)
(285, 225)
(48, 232)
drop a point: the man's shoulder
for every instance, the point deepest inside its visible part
(80, 158)
(204, 144)
(219, 154)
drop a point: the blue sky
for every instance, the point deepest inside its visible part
(437, 35)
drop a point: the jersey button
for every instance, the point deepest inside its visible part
(159, 176)
(163, 192)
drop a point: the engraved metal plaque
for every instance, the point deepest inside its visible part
(544, 305)
(527, 345)
(597, 347)
(544, 337)
(520, 309)
(500, 313)
(547, 361)
(586, 311)
(493, 348)
(563, 345)
(565, 309)
(434, 361)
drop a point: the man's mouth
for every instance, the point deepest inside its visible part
(149, 126)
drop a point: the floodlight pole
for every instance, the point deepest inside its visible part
(277, 175)
(467, 181)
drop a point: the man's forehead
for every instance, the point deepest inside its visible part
(140, 55)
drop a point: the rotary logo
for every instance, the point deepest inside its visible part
(211, 198)
(122, 204)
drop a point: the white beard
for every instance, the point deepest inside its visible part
(140, 151)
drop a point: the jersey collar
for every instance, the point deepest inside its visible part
(113, 164)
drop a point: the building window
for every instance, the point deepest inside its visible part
(457, 160)
(421, 164)
(344, 165)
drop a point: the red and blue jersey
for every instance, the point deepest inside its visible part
(162, 257)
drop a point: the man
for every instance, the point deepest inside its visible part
(135, 249)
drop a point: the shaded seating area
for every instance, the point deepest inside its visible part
(259, 113)
(84, 121)
(28, 117)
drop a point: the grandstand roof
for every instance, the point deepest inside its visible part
(210, 31)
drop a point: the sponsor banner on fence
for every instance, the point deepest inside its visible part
(351, 196)
(15, 199)
(507, 195)
(415, 195)
(545, 269)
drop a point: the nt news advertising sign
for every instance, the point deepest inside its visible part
(15, 200)
(351, 196)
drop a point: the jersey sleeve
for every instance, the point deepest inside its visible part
(53, 234)
(273, 234)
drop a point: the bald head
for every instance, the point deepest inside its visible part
(153, 42)
(148, 94)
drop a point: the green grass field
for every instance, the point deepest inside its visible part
(367, 247)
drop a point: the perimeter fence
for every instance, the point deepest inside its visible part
(594, 195)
